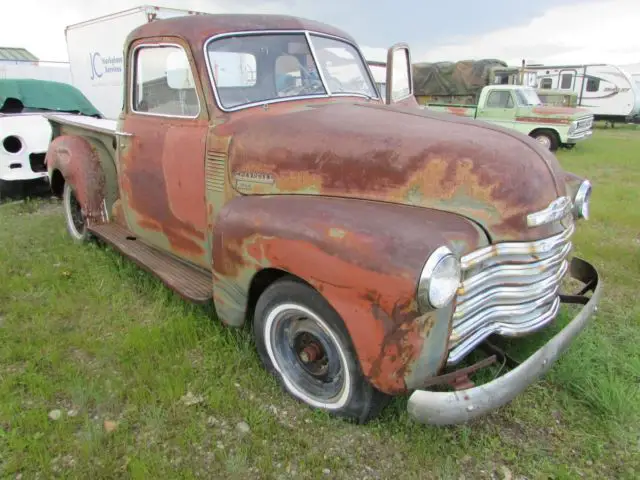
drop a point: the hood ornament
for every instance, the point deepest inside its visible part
(557, 210)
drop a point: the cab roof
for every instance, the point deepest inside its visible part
(196, 29)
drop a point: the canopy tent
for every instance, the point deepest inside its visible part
(465, 77)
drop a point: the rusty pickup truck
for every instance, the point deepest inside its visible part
(372, 245)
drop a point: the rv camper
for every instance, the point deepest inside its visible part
(606, 90)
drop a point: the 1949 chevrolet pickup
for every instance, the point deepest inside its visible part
(371, 245)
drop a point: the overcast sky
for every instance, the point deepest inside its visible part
(584, 31)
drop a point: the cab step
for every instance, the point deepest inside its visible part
(189, 282)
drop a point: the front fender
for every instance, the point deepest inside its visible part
(78, 160)
(365, 259)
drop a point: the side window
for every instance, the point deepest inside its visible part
(593, 84)
(566, 81)
(546, 83)
(164, 83)
(500, 99)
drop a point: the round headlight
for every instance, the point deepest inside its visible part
(581, 202)
(439, 279)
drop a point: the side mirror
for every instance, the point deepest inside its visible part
(399, 85)
(179, 71)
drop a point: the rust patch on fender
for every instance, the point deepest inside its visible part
(79, 162)
(367, 272)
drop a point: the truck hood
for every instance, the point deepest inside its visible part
(402, 155)
(560, 113)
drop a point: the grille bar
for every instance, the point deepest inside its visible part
(509, 289)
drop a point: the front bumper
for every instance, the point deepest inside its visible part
(576, 137)
(447, 408)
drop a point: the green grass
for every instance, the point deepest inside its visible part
(84, 331)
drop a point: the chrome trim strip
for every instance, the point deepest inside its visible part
(556, 210)
(526, 271)
(487, 317)
(464, 348)
(284, 99)
(133, 79)
(537, 247)
(504, 295)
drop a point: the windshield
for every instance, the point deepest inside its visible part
(254, 69)
(527, 97)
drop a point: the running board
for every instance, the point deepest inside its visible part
(189, 282)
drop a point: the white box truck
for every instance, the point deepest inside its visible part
(95, 49)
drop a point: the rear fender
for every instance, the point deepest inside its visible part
(365, 259)
(81, 162)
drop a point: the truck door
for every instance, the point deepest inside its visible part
(162, 150)
(498, 107)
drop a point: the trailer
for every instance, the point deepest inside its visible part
(608, 91)
(96, 57)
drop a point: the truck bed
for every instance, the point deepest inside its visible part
(90, 123)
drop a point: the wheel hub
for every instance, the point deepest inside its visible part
(311, 354)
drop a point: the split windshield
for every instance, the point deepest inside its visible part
(527, 97)
(249, 69)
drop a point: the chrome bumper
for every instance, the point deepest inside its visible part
(447, 408)
(576, 137)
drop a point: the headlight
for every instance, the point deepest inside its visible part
(12, 144)
(573, 127)
(439, 279)
(581, 202)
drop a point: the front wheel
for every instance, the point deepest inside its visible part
(74, 218)
(547, 139)
(302, 341)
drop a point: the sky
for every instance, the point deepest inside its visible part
(544, 31)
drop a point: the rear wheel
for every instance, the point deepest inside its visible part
(547, 139)
(75, 219)
(302, 341)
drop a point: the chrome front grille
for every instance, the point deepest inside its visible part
(584, 124)
(510, 289)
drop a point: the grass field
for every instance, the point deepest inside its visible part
(144, 385)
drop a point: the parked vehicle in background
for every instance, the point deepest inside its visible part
(520, 108)
(24, 132)
(493, 93)
(606, 90)
(95, 53)
(373, 245)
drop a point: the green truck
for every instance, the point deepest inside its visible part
(490, 90)
(520, 108)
